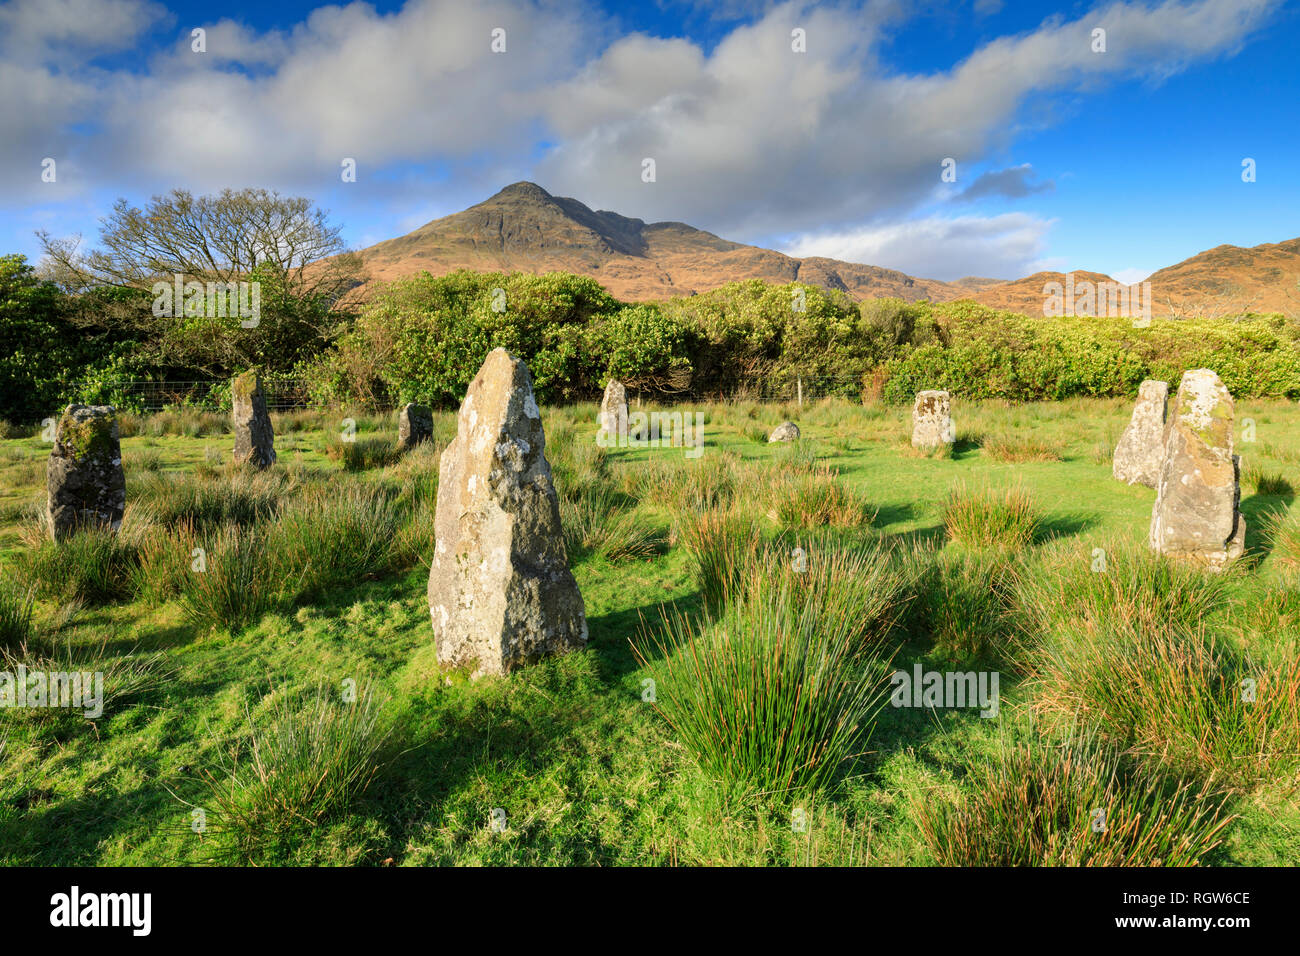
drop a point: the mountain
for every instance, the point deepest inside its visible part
(524, 228)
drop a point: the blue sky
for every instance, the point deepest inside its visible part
(1120, 161)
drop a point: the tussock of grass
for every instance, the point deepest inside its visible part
(595, 525)
(16, 608)
(303, 762)
(989, 517)
(770, 695)
(1039, 804)
(1019, 448)
(362, 454)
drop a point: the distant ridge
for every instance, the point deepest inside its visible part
(526, 229)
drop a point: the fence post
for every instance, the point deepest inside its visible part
(800, 393)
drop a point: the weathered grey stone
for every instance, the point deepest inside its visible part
(613, 413)
(1196, 514)
(500, 591)
(1141, 449)
(414, 425)
(84, 477)
(786, 431)
(254, 437)
(932, 420)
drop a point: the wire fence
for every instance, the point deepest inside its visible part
(288, 394)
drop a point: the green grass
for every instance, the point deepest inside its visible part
(315, 576)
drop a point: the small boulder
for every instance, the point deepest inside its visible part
(254, 436)
(786, 431)
(1141, 449)
(932, 420)
(1196, 515)
(414, 425)
(85, 482)
(501, 594)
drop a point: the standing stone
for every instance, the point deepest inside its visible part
(932, 420)
(414, 425)
(786, 431)
(501, 595)
(84, 476)
(1196, 512)
(254, 437)
(1141, 449)
(613, 413)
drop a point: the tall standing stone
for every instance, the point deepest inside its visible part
(254, 437)
(500, 591)
(84, 477)
(1141, 449)
(414, 425)
(1198, 492)
(613, 412)
(932, 420)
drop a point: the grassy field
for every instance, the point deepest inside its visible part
(273, 693)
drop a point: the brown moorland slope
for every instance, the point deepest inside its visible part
(524, 228)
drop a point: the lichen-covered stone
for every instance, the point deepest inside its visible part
(932, 420)
(786, 431)
(1196, 515)
(613, 413)
(501, 594)
(84, 479)
(254, 436)
(1141, 449)
(414, 425)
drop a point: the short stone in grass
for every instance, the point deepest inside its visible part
(932, 420)
(254, 437)
(1196, 514)
(1141, 449)
(786, 431)
(613, 413)
(414, 426)
(501, 594)
(84, 477)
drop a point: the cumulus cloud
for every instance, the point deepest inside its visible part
(750, 138)
(996, 247)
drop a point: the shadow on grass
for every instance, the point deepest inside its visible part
(1257, 510)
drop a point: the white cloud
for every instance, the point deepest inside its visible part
(1130, 276)
(998, 247)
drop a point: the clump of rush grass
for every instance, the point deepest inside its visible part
(1116, 586)
(769, 695)
(16, 609)
(93, 565)
(597, 525)
(1073, 804)
(222, 496)
(724, 547)
(306, 759)
(816, 497)
(239, 578)
(126, 677)
(1282, 531)
(1018, 448)
(683, 484)
(335, 537)
(988, 517)
(941, 452)
(1181, 701)
(963, 602)
(362, 454)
